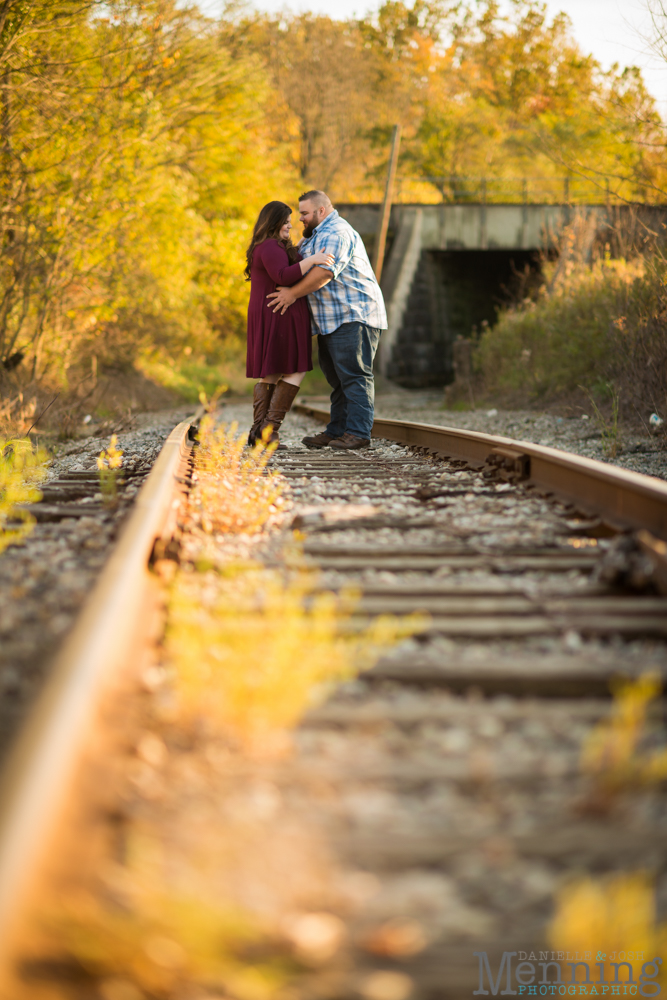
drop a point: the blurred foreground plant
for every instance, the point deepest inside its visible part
(252, 651)
(234, 492)
(614, 920)
(612, 753)
(109, 463)
(21, 467)
(160, 939)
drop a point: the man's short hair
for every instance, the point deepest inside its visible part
(319, 198)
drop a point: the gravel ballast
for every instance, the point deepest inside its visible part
(44, 582)
(639, 451)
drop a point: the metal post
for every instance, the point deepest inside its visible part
(482, 217)
(381, 240)
(524, 212)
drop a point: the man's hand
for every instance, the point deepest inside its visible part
(282, 299)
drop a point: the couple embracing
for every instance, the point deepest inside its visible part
(327, 283)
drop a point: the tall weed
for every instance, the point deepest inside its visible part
(608, 428)
(234, 492)
(109, 463)
(252, 650)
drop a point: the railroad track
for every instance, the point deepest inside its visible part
(447, 779)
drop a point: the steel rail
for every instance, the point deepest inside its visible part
(623, 499)
(37, 781)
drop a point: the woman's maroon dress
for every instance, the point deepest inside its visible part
(276, 344)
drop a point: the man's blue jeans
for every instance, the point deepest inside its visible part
(346, 358)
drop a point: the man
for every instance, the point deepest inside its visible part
(348, 316)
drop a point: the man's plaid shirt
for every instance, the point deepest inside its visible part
(353, 294)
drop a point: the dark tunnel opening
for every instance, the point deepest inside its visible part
(454, 293)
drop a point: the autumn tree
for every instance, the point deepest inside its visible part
(129, 133)
(514, 96)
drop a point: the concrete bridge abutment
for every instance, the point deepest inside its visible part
(448, 267)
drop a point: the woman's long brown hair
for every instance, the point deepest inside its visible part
(270, 221)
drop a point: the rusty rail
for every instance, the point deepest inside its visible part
(37, 782)
(624, 500)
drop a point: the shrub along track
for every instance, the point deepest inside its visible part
(434, 806)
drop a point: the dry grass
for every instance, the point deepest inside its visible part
(252, 651)
(234, 492)
(613, 755)
(158, 940)
(17, 413)
(22, 467)
(614, 920)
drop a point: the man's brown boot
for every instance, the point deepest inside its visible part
(349, 442)
(281, 401)
(320, 440)
(261, 400)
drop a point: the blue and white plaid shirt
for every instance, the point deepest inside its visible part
(353, 294)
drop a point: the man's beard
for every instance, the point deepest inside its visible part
(309, 230)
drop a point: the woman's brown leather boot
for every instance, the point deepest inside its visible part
(281, 401)
(261, 400)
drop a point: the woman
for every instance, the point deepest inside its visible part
(279, 346)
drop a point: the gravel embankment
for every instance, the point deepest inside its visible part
(638, 452)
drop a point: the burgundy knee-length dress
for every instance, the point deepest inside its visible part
(276, 344)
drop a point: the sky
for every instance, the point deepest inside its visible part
(612, 30)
